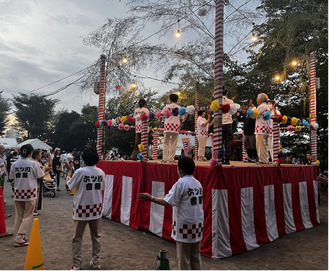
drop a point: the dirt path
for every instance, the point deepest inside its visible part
(126, 248)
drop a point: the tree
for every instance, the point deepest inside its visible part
(33, 113)
(4, 109)
(293, 30)
(125, 105)
(73, 130)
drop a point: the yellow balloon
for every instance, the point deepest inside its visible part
(214, 106)
(123, 119)
(141, 147)
(256, 113)
(317, 163)
(298, 128)
(284, 119)
(294, 121)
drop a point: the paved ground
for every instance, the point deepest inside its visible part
(126, 248)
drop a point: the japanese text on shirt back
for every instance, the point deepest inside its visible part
(90, 180)
(195, 195)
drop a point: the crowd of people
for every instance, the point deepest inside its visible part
(31, 168)
(258, 131)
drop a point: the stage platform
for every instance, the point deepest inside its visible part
(245, 205)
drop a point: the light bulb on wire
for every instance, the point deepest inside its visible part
(178, 33)
(294, 63)
(253, 37)
(124, 60)
(277, 78)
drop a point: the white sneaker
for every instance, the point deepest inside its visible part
(95, 267)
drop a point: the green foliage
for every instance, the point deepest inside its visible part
(33, 113)
(125, 105)
(4, 109)
(73, 130)
(293, 30)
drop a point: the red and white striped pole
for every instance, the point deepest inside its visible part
(145, 137)
(218, 92)
(101, 107)
(155, 144)
(196, 120)
(244, 153)
(313, 107)
(276, 141)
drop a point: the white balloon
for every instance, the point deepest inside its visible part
(314, 125)
(190, 109)
(234, 108)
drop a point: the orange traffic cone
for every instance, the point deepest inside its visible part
(34, 259)
(3, 231)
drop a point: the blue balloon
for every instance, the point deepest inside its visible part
(267, 116)
(140, 156)
(182, 111)
(305, 123)
(250, 112)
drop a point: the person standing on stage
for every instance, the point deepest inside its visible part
(249, 132)
(227, 129)
(262, 130)
(172, 125)
(274, 113)
(138, 126)
(202, 133)
(25, 173)
(186, 197)
(87, 206)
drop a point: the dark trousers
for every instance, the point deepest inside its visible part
(58, 177)
(136, 150)
(227, 140)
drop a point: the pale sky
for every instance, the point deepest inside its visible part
(41, 42)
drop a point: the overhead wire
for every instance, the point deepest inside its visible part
(138, 42)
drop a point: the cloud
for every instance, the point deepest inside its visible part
(40, 42)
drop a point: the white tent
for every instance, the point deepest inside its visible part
(8, 143)
(36, 144)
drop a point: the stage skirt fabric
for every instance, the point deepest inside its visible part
(244, 207)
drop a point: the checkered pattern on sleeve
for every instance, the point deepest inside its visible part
(25, 194)
(88, 210)
(171, 127)
(188, 231)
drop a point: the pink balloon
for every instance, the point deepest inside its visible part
(167, 113)
(158, 114)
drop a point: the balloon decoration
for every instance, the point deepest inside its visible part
(140, 147)
(214, 106)
(123, 119)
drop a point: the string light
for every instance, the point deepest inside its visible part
(178, 33)
(253, 37)
(277, 78)
(124, 60)
(294, 63)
